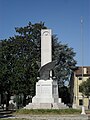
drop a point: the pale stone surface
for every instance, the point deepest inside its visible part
(59, 100)
(83, 110)
(46, 106)
(46, 46)
(46, 92)
(46, 96)
(74, 106)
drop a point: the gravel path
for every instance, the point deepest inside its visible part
(54, 117)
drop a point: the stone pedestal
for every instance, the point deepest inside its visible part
(46, 96)
(46, 92)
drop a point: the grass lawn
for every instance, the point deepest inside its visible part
(42, 112)
(48, 111)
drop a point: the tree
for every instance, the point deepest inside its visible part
(61, 53)
(20, 55)
(65, 62)
(64, 93)
(85, 87)
(18, 61)
(21, 68)
(5, 74)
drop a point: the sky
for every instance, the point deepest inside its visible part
(62, 16)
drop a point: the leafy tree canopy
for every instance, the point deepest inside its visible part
(85, 87)
(20, 55)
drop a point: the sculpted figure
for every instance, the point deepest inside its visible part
(45, 70)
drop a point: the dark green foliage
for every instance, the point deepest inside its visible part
(18, 61)
(19, 58)
(65, 62)
(64, 93)
(85, 87)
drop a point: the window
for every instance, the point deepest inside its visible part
(79, 89)
(80, 102)
(80, 78)
(85, 70)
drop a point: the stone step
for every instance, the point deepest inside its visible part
(46, 106)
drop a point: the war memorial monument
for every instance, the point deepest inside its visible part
(46, 88)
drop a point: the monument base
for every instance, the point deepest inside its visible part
(46, 96)
(46, 106)
(46, 92)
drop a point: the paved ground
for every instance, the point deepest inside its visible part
(8, 114)
(54, 117)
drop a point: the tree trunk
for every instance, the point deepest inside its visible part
(24, 100)
(7, 101)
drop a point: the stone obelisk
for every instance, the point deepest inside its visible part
(46, 88)
(46, 46)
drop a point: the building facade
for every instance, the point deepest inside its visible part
(78, 76)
